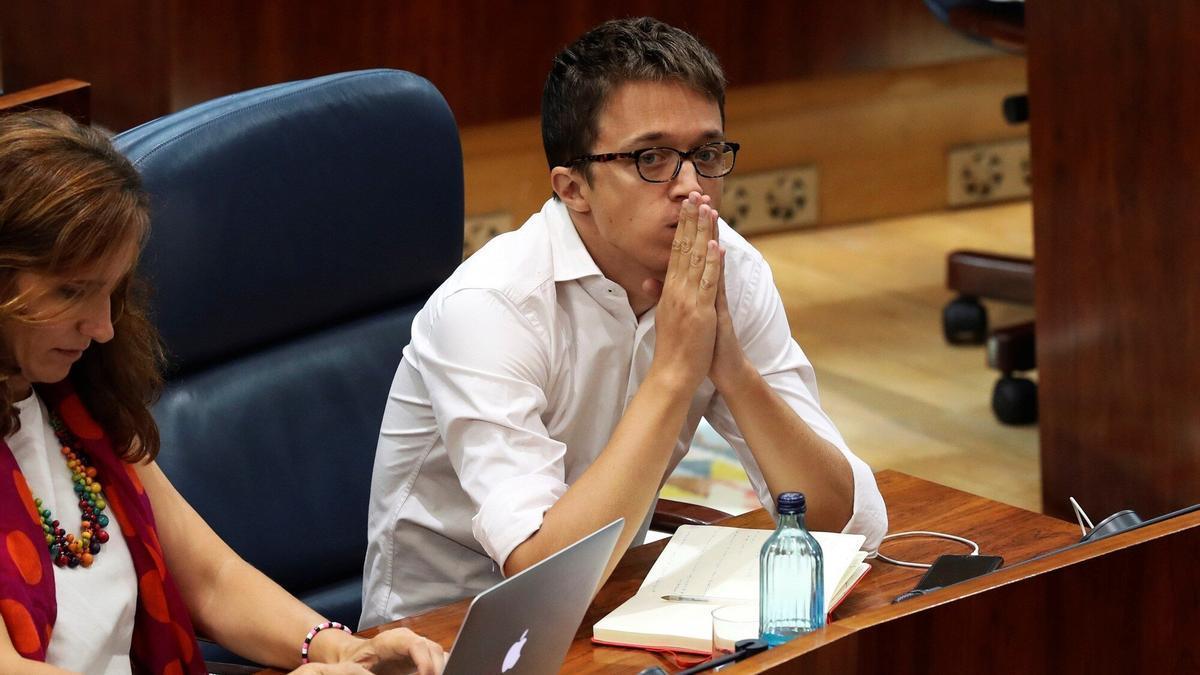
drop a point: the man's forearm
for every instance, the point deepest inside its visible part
(622, 482)
(791, 456)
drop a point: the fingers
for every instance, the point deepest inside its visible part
(716, 231)
(710, 279)
(685, 237)
(427, 656)
(699, 253)
(722, 301)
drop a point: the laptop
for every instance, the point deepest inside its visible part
(525, 624)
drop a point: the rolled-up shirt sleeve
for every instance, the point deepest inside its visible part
(763, 331)
(485, 365)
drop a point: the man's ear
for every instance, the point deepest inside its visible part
(570, 187)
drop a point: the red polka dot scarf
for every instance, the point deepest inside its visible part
(164, 642)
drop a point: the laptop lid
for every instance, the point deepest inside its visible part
(525, 624)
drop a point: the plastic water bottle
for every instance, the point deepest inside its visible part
(791, 576)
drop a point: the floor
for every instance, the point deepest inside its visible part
(864, 302)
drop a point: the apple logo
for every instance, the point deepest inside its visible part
(514, 653)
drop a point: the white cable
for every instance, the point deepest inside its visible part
(922, 533)
(1081, 516)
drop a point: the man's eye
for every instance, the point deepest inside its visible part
(707, 155)
(652, 158)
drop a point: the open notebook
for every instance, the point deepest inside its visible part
(721, 565)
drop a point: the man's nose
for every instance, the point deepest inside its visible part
(686, 181)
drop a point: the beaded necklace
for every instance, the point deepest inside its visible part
(67, 550)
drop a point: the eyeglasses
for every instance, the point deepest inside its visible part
(661, 165)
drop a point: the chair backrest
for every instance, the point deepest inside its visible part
(296, 230)
(995, 23)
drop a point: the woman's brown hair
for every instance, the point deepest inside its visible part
(69, 200)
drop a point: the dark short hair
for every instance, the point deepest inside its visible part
(622, 50)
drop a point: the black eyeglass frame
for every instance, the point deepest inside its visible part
(680, 156)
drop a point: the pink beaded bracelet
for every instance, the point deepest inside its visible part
(313, 633)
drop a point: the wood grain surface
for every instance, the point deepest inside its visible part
(1127, 604)
(489, 57)
(913, 504)
(1115, 211)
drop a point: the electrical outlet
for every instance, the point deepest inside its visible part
(481, 228)
(988, 172)
(771, 200)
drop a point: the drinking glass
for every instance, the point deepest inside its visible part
(731, 623)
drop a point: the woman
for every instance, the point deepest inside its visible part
(104, 567)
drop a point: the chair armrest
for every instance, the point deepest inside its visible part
(990, 275)
(670, 514)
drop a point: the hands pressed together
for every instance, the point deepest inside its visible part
(695, 330)
(394, 651)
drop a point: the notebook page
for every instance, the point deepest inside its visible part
(719, 562)
(722, 562)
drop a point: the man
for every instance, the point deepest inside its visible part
(556, 379)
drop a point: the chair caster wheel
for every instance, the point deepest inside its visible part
(1014, 400)
(964, 321)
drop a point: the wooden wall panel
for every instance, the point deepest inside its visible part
(148, 57)
(1116, 165)
(117, 45)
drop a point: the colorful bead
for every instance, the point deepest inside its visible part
(313, 633)
(67, 550)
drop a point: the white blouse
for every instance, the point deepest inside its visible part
(96, 605)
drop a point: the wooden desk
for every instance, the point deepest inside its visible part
(913, 504)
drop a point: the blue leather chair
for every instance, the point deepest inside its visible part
(296, 230)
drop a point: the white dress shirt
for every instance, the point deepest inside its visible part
(97, 604)
(520, 367)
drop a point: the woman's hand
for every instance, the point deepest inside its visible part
(331, 669)
(393, 651)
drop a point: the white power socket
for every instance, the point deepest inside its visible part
(769, 201)
(981, 173)
(481, 228)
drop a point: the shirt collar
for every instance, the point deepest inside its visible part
(571, 258)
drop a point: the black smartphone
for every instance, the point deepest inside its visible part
(951, 569)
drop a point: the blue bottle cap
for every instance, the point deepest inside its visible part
(791, 502)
